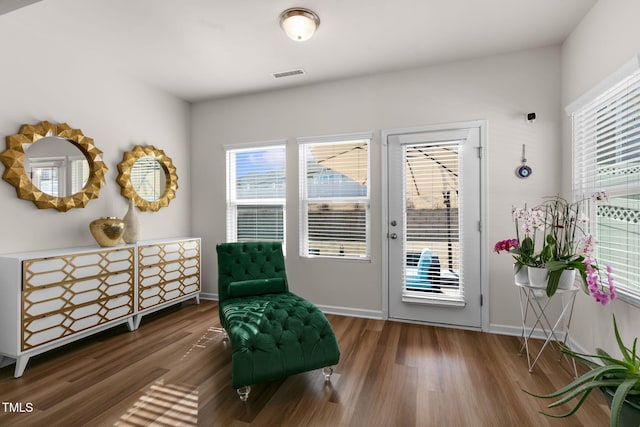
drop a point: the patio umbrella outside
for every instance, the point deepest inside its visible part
(349, 159)
(431, 183)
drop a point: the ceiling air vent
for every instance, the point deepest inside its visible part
(289, 73)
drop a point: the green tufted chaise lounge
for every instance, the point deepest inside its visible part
(273, 333)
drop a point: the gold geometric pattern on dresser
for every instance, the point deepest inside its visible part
(167, 271)
(67, 294)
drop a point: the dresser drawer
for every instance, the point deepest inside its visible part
(41, 272)
(38, 330)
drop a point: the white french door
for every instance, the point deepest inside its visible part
(434, 212)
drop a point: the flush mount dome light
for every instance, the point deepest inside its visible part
(299, 23)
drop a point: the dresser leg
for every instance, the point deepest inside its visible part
(136, 321)
(131, 324)
(21, 364)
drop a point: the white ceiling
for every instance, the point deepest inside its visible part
(199, 49)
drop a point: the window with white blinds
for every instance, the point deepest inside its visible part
(48, 176)
(334, 196)
(606, 135)
(256, 192)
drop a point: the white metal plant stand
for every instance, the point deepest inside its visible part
(534, 302)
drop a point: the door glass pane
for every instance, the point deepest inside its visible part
(431, 210)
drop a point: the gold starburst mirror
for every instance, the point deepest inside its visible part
(53, 165)
(147, 176)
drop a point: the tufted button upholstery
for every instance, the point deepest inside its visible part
(248, 261)
(272, 335)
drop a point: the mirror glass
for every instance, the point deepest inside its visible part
(56, 166)
(148, 178)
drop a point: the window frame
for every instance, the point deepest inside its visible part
(232, 201)
(305, 201)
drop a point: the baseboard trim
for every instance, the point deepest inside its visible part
(207, 296)
(516, 331)
(353, 312)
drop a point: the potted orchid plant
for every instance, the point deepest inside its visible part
(565, 246)
(568, 248)
(523, 247)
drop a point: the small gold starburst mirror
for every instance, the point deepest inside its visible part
(53, 165)
(147, 176)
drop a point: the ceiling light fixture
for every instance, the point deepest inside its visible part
(299, 23)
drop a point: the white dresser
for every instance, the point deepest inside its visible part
(51, 298)
(168, 271)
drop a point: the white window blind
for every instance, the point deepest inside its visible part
(334, 208)
(79, 174)
(432, 244)
(256, 192)
(148, 178)
(606, 134)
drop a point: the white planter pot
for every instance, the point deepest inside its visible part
(538, 277)
(521, 276)
(567, 279)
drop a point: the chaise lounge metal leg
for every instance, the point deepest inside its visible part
(327, 371)
(225, 336)
(243, 392)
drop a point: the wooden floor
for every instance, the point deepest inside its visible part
(175, 370)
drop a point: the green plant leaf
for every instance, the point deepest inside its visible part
(579, 356)
(573, 410)
(623, 349)
(582, 389)
(619, 398)
(590, 376)
(602, 355)
(556, 265)
(526, 246)
(552, 284)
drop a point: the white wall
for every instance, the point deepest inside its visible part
(607, 37)
(42, 81)
(500, 89)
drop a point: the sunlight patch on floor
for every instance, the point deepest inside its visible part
(163, 405)
(204, 340)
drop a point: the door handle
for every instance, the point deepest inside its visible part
(393, 236)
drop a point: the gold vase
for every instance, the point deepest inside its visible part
(107, 231)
